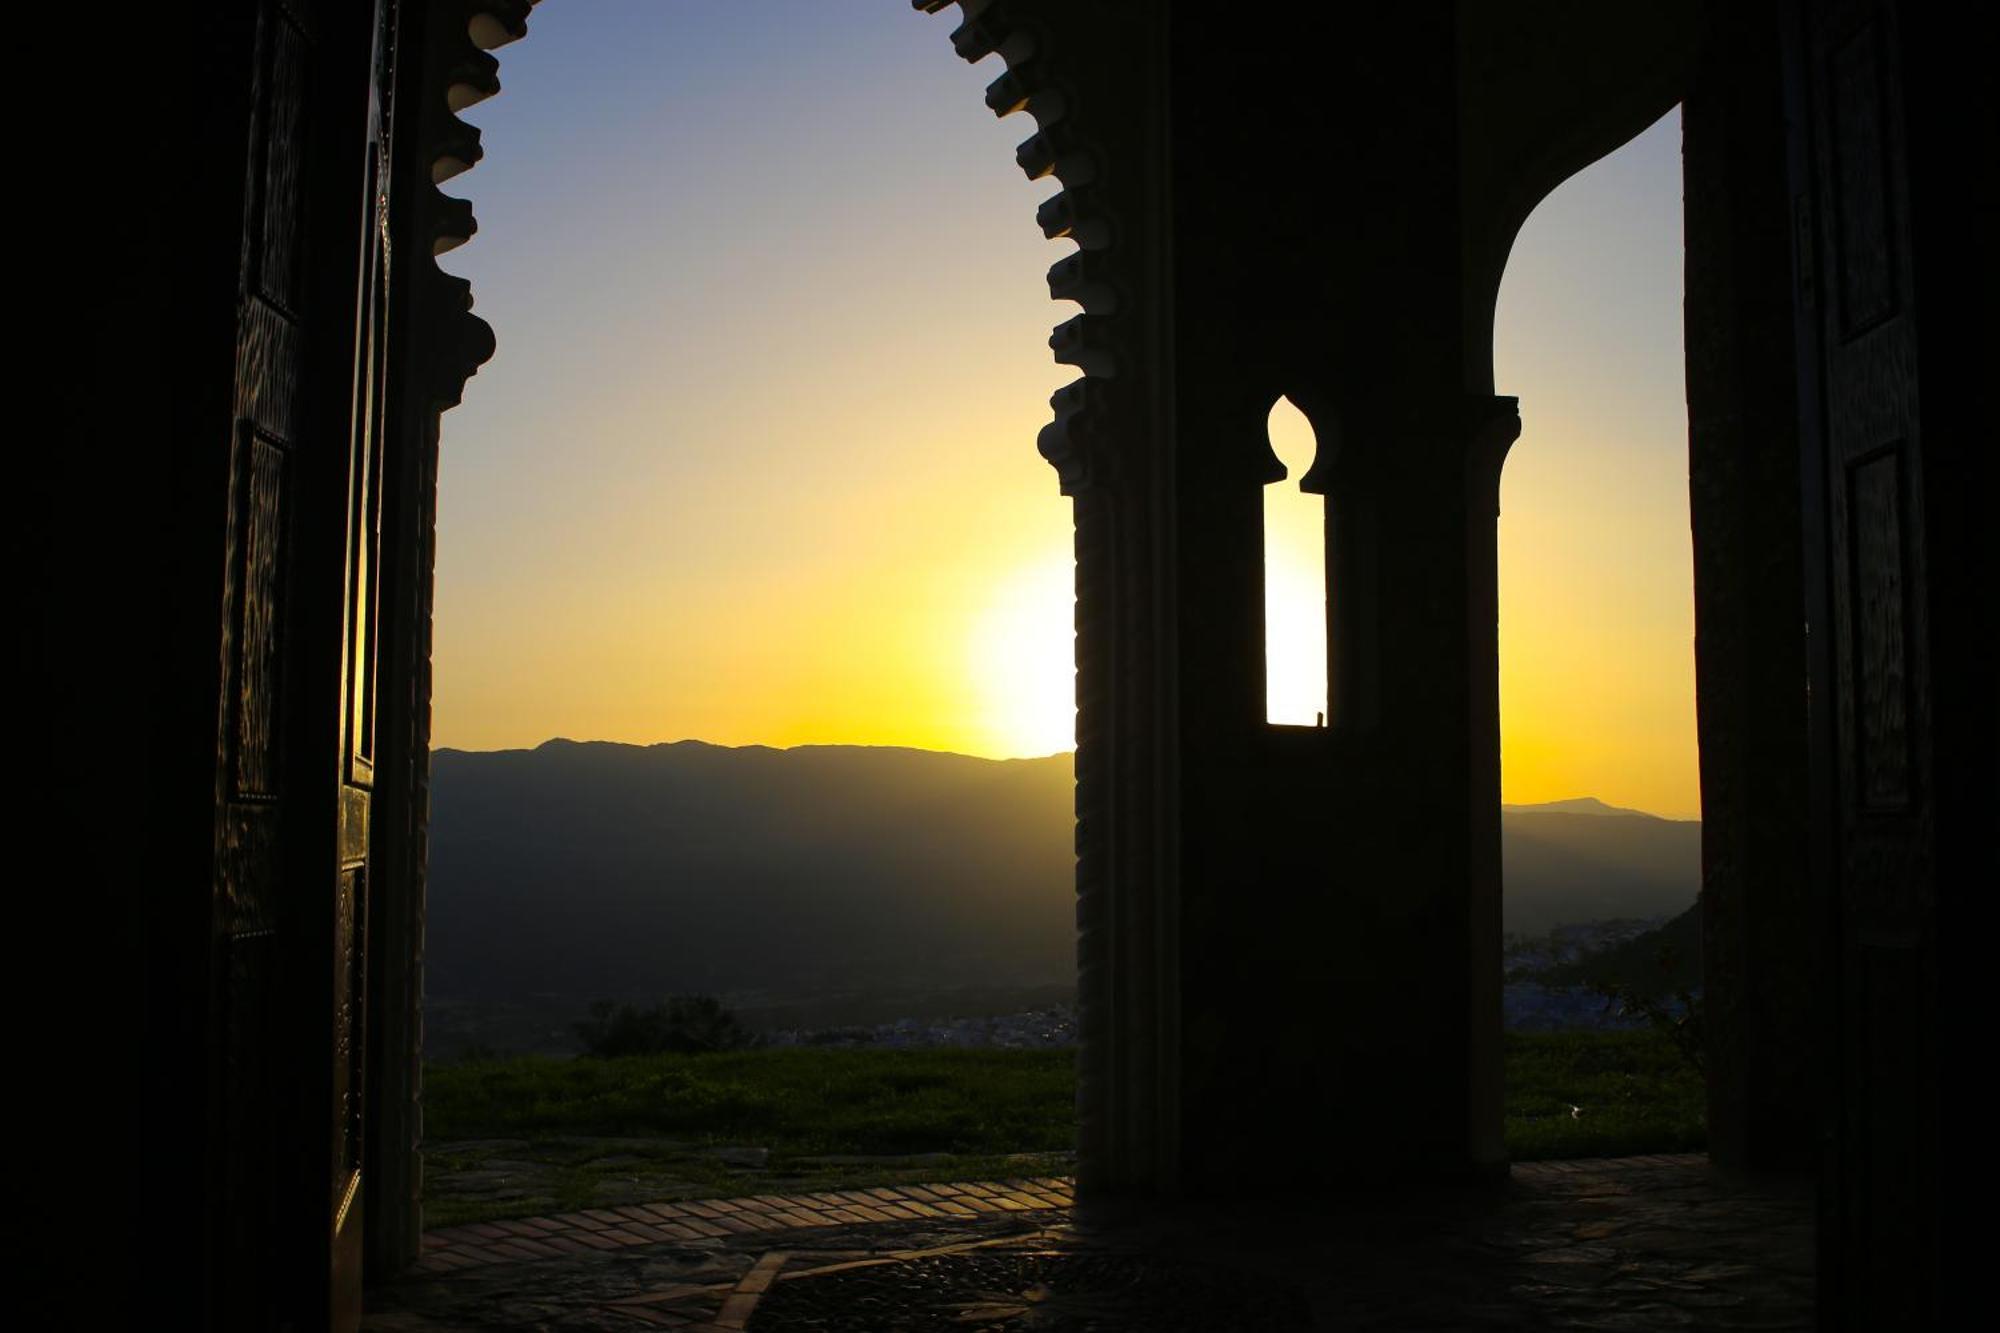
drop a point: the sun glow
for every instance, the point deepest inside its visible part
(1022, 657)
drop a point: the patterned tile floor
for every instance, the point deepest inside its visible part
(1629, 1243)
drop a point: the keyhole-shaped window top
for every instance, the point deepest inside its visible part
(1294, 579)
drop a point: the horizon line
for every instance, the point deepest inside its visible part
(960, 754)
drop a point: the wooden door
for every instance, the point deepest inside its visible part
(296, 717)
(1871, 697)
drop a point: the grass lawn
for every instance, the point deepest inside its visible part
(510, 1138)
(1600, 1094)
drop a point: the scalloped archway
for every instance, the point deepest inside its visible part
(455, 49)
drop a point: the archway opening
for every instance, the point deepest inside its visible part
(1601, 831)
(1295, 591)
(751, 825)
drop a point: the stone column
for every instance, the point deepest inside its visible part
(1759, 926)
(1339, 886)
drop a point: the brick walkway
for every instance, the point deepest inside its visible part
(600, 1229)
(1633, 1243)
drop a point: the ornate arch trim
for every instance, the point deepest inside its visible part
(445, 64)
(1111, 443)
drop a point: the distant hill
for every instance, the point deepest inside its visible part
(598, 869)
(1582, 860)
(1575, 805)
(603, 869)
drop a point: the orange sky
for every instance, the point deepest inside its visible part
(755, 460)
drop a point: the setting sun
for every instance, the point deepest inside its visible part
(1020, 655)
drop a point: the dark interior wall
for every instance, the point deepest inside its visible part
(124, 312)
(1951, 114)
(1759, 918)
(123, 506)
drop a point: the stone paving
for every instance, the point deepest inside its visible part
(1620, 1244)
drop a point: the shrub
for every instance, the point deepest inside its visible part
(684, 1024)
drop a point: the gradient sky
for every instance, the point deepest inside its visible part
(755, 461)
(1596, 563)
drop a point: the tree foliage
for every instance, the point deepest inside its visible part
(1676, 1014)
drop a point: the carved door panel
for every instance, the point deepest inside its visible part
(263, 753)
(1871, 682)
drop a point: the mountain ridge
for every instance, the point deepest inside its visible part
(1584, 805)
(620, 869)
(562, 742)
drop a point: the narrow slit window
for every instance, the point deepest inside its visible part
(1294, 579)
